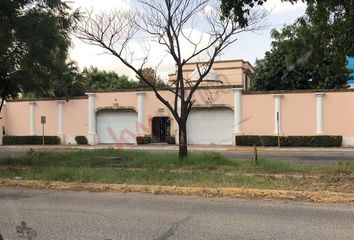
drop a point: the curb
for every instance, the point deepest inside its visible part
(246, 193)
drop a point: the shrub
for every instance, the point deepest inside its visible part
(171, 139)
(81, 140)
(290, 141)
(143, 139)
(30, 140)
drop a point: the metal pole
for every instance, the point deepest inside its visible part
(43, 135)
(278, 130)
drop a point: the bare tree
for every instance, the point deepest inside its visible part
(171, 23)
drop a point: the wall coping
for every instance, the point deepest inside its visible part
(274, 92)
(148, 89)
(46, 99)
(135, 90)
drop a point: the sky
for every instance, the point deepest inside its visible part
(249, 46)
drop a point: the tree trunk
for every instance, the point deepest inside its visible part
(2, 103)
(183, 149)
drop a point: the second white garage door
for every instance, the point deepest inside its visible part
(210, 126)
(116, 126)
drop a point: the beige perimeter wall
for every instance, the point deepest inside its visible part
(298, 112)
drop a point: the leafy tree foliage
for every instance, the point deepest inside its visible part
(239, 9)
(69, 81)
(340, 16)
(311, 53)
(34, 41)
(150, 75)
(102, 80)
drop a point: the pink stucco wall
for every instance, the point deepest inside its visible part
(339, 113)
(126, 99)
(17, 114)
(298, 112)
(50, 110)
(154, 108)
(258, 114)
(75, 117)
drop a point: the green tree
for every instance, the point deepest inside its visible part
(34, 40)
(305, 55)
(166, 22)
(338, 16)
(69, 81)
(102, 80)
(150, 75)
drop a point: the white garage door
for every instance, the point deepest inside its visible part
(210, 126)
(117, 126)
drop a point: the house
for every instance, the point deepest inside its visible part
(227, 73)
(222, 109)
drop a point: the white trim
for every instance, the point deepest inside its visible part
(92, 135)
(237, 111)
(319, 113)
(32, 118)
(141, 114)
(277, 109)
(61, 120)
(348, 142)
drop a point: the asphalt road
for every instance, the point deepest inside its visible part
(82, 215)
(307, 156)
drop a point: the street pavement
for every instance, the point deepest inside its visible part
(293, 155)
(47, 214)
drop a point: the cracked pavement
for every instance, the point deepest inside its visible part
(109, 216)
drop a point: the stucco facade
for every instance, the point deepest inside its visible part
(301, 113)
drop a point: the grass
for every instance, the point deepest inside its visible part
(199, 170)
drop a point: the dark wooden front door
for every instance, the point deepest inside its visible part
(160, 129)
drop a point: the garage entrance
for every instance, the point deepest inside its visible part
(210, 126)
(117, 126)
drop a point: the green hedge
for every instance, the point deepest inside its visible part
(81, 140)
(143, 139)
(30, 140)
(290, 141)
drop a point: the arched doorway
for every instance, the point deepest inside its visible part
(161, 129)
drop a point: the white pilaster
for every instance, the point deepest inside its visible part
(319, 112)
(237, 111)
(61, 120)
(92, 135)
(32, 120)
(141, 114)
(277, 113)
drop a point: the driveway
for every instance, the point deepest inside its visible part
(82, 215)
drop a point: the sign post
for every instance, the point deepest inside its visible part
(43, 122)
(278, 129)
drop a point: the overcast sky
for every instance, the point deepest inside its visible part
(249, 46)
